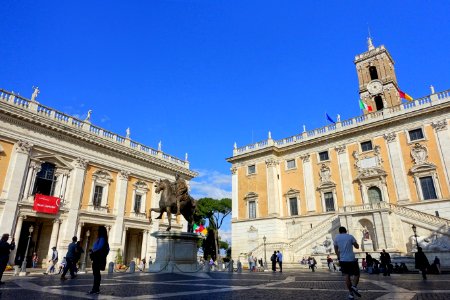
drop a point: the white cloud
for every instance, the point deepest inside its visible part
(212, 184)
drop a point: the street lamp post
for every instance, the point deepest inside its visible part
(414, 229)
(83, 264)
(23, 270)
(265, 253)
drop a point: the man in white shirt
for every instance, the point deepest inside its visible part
(343, 246)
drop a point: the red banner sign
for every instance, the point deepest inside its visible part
(46, 204)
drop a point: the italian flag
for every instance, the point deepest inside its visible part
(404, 95)
(200, 229)
(364, 106)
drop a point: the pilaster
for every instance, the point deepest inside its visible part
(54, 238)
(345, 175)
(234, 193)
(310, 195)
(14, 184)
(273, 201)
(18, 229)
(387, 228)
(443, 137)
(378, 224)
(69, 226)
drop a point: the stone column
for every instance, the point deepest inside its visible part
(120, 198)
(54, 238)
(69, 228)
(398, 167)
(33, 169)
(273, 200)
(18, 229)
(144, 244)
(443, 137)
(234, 193)
(345, 175)
(124, 240)
(14, 185)
(79, 228)
(310, 195)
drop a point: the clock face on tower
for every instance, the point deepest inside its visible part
(375, 87)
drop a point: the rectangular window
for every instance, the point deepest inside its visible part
(366, 146)
(290, 164)
(293, 206)
(428, 190)
(323, 156)
(137, 203)
(251, 169)
(252, 209)
(98, 193)
(416, 134)
(329, 201)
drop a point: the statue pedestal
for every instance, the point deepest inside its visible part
(367, 245)
(176, 252)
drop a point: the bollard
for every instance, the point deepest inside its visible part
(132, 266)
(111, 268)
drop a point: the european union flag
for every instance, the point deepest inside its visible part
(329, 118)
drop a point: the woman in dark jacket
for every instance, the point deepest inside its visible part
(99, 252)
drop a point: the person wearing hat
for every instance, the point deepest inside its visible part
(52, 262)
(5, 249)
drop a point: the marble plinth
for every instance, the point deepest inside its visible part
(367, 245)
(176, 252)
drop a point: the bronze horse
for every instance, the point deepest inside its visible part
(168, 204)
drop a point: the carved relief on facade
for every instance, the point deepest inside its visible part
(439, 125)
(325, 174)
(80, 163)
(390, 137)
(22, 146)
(341, 149)
(141, 185)
(368, 161)
(305, 157)
(270, 162)
(102, 175)
(233, 170)
(419, 153)
(124, 175)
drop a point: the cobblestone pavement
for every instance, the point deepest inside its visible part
(215, 285)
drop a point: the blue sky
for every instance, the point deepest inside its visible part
(200, 75)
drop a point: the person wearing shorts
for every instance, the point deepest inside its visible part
(343, 246)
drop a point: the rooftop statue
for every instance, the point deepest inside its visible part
(175, 199)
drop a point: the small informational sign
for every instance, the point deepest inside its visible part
(46, 204)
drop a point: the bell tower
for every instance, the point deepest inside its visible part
(376, 77)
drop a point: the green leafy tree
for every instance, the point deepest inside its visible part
(215, 211)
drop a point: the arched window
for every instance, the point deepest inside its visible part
(373, 73)
(374, 195)
(45, 180)
(379, 103)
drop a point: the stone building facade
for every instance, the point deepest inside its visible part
(96, 176)
(378, 174)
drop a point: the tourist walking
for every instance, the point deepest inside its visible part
(98, 255)
(280, 260)
(78, 251)
(437, 263)
(421, 262)
(34, 260)
(273, 259)
(369, 262)
(5, 249)
(330, 264)
(385, 261)
(313, 263)
(343, 246)
(52, 262)
(70, 259)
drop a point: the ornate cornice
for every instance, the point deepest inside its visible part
(390, 137)
(439, 125)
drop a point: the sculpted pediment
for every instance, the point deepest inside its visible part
(424, 167)
(369, 173)
(251, 195)
(55, 159)
(292, 192)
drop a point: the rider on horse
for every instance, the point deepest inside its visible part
(181, 191)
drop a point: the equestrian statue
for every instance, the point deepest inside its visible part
(175, 199)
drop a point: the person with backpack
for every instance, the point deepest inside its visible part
(98, 255)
